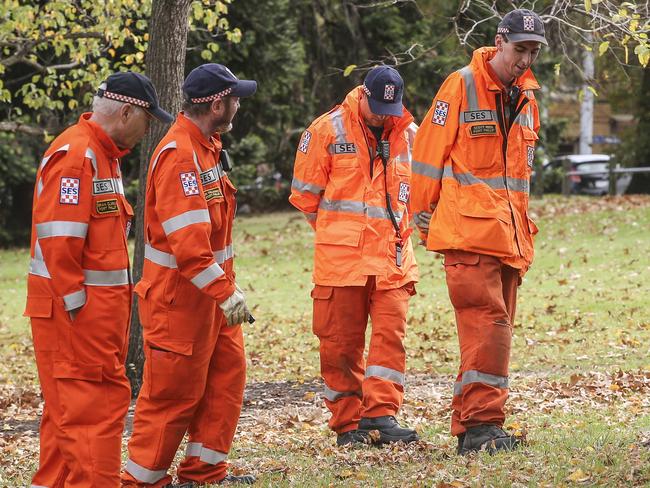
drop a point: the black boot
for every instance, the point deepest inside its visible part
(388, 428)
(244, 479)
(488, 438)
(352, 437)
(461, 439)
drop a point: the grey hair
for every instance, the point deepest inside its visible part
(106, 106)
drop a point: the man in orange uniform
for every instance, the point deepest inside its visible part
(472, 163)
(190, 305)
(352, 181)
(79, 287)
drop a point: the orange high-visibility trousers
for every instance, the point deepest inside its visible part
(82, 375)
(194, 378)
(352, 389)
(483, 292)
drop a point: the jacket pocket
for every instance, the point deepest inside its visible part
(172, 371)
(489, 233)
(322, 296)
(44, 333)
(340, 233)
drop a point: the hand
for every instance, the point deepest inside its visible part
(234, 307)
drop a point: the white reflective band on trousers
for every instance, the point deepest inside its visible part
(166, 260)
(473, 376)
(333, 395)
(143, 474)
(206, 455)
(385, 374)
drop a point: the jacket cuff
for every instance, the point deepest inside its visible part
(74, 300)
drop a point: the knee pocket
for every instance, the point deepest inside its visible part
(172, 371)
(80, 392)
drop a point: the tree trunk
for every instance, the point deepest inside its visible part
(165, 66)
(641, 181)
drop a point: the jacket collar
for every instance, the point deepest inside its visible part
(213, 144)
(480, 58)
(101, 137)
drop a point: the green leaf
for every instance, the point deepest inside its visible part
(588, 5)
(347, 71)
(602, 49)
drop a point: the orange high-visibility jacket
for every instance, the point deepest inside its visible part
(80, 223)
(189, 210)
(332, 185)
(475, 176)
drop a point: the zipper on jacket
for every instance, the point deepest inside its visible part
(370, 155)
(505, 130)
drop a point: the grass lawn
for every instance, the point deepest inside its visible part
(580, 386)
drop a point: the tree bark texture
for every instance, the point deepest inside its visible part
(165, 62)
(641, 181)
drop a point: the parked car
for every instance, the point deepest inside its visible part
(595, 181)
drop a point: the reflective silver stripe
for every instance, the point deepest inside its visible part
(193, 449)
(223, 255)
(333, 395)
(170, 145)
(190, 217)
(74, 300)
(427, 170)
(207, 276)
(336, 118)
(106, 278)
(458, 388)
(470, 88)
(90, 154)
(473, 376)
(301, 186)
(161, 258)
(385, 373)
(143, 474)
(61, 228)
(351, 206)
(211, 456)
(498, 183)
(44, 161)
(310, 216)
(39, 268)
(118, 185)
(37, 486)
(525, 119)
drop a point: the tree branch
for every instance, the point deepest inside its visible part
(9, 126)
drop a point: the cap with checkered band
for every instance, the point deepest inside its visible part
(136, 89)
(523, 25)
(384, 87)
(212, 81)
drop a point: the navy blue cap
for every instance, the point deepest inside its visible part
(136, 89)
(384, 87)
(522, 25)
(211, 81)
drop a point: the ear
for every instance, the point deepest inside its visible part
(126, 110)
(498, 42)
(217, 106)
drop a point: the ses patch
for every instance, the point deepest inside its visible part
(107, 206)
(344, 148)
(103, 186)
(477, 116)
(189, 183)
(531, 155)
(303, 145)
(483, 130)
(69, 191)
(440, 113)
(404, 192)
(208, 176)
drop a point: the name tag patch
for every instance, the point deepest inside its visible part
(477, 116)
(213, 193)
(345, 148)
(69, 191)
(303, 145)
(440, 113)
(189, 183)
(208, 176)
(404, 192)
(107, 206)
(103, 186)
(483, 130)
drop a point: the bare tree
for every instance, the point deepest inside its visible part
(165, 66)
